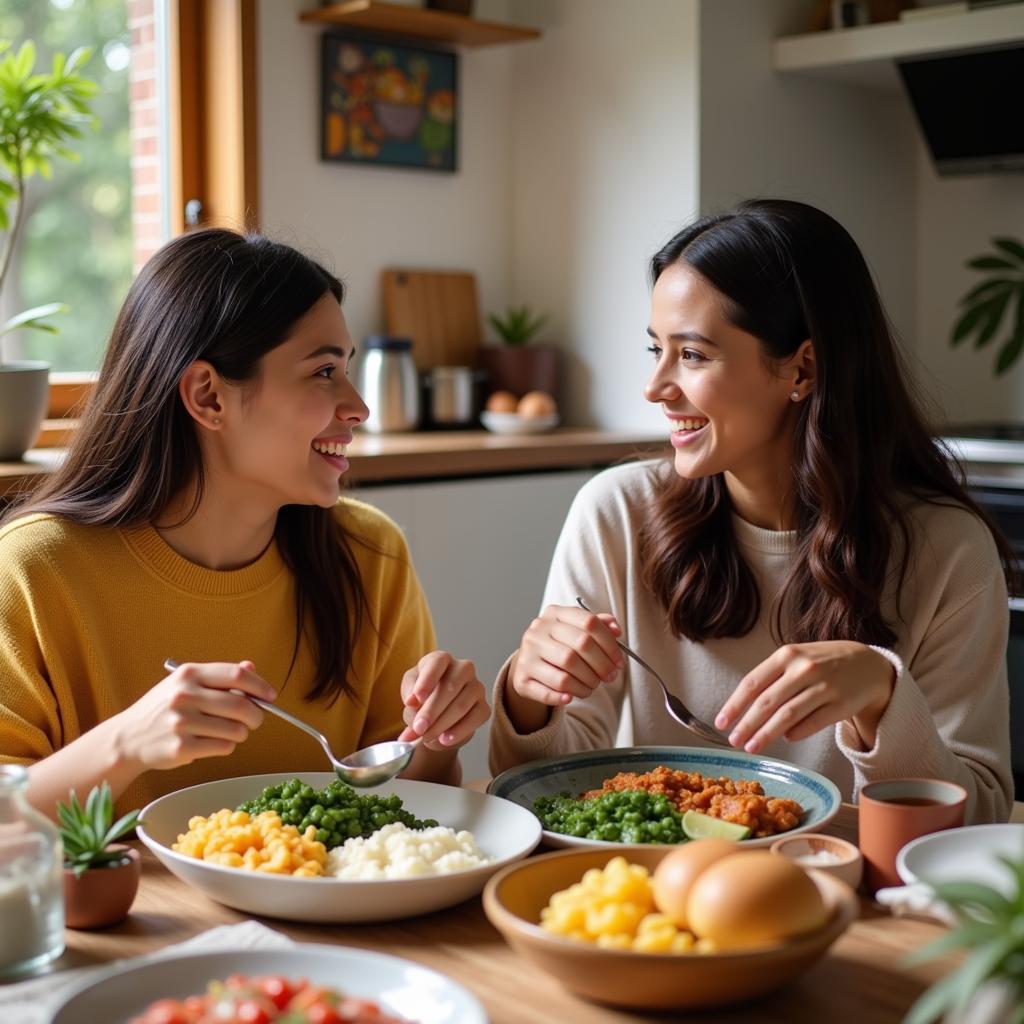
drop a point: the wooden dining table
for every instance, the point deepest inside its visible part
(861, 980)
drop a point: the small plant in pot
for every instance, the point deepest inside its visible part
(516, 365)
(101, 876)
(40, 116)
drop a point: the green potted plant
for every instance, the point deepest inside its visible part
(986, 304)
(101, 876)
(988, 988)
(515, 364)
(40, 116)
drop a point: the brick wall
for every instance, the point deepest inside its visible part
(143, 100)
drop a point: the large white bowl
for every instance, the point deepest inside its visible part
(578, 773)
(402, 988)
(968, 854)
(502, 830)
(513, 423)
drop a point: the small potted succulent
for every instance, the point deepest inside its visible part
(101, 876)
(516, 365)
(988, 988)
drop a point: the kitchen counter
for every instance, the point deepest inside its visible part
(434, 455)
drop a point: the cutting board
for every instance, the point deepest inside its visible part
(439, 311)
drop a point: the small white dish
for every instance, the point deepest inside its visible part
(967, 854)
(513, 423)
(834, 856)
(400, 987)
(502, 829)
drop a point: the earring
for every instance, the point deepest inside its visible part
(794, 394)
(216, 420)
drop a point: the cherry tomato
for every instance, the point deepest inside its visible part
(249, 1011)
(277, 989)
(166, 1011)
(321, 1012)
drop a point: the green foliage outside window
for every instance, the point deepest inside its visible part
(77, 242)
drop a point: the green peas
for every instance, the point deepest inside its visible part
(633, 816)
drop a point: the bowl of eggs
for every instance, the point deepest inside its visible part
(697, 925)
(534, 413)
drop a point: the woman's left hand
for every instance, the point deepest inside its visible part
(444, 701)
(804, 688)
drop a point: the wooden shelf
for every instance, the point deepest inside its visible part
(418, 23)
(865, 56)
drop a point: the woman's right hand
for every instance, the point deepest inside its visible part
(566, 652)
(191, 714)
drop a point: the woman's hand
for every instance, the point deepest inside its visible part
(566, 653)
(445, 702)
(804, 688)
(191, 714)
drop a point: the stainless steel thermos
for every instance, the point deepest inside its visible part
(386, 378)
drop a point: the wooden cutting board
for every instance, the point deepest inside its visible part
(439, 311)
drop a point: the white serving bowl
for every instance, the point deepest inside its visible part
(513, 423)
(963, 854)
(501, 829)
(401, 988)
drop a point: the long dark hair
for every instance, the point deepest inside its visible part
(229, 299)
(790, 272)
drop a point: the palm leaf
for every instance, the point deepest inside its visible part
(991, 263)
(995, 284)
(934, 1001)
(970, 321)
(1010, 351)
(1011, 246)
(992, 319)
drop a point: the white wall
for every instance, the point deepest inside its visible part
(956, 219)
(604, 128)
(362, 219)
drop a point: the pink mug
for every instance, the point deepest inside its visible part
(894, 811)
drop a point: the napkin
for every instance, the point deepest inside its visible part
(35, 1000)
(915, 900)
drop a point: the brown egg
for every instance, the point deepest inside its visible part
(502, 401)
(536, 403)
(677, 872)
(753, 899)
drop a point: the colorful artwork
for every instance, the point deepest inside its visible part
(388, 104)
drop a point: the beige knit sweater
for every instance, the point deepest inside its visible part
(949, 714)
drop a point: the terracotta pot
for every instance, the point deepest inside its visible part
(520, 369)
(102, 896)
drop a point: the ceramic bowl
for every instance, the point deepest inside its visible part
(514, 898)
(402, 988)
(501, 829)
(513, 423)
(577, 773)
(960, 854)
(827, 854)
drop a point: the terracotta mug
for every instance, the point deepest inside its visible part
(894, 811)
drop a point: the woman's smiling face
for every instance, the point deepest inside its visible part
(729, 410)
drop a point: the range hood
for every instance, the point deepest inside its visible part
(968, 107)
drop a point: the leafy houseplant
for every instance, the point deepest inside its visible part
(40, 115)
(101, 877)
(991, 926)
(986, 304)
(518, 324)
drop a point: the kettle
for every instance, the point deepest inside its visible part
(386, 378)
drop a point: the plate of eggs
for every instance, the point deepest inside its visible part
(534, 413)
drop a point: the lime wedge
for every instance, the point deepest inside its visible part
(703, 826)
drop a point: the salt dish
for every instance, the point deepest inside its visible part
(830, 854)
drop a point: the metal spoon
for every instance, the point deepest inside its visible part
(370, 766)
(675, 707)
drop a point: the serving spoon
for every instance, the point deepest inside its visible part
(675, 707)
(368, 767)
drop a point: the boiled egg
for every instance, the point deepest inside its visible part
(502, 401)
(675, 874)
(535, 404)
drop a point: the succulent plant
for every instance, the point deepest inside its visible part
(986, 303)
(991, 926)
(518, 324)
(88, 831)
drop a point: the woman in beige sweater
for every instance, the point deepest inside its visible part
(806, 572)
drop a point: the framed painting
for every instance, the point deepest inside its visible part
(386, 104)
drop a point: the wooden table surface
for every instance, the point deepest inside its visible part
(860, 980)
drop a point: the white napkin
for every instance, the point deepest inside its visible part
(35, 1000)
(916, 900)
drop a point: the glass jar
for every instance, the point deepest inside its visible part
(31, 880)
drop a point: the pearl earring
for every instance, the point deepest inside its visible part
(216, 421)
(794, 394)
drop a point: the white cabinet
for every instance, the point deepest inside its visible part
(482, 549)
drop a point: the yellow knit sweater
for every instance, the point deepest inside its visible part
(89, 614)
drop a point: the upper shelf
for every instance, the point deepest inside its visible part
(865, 56)
(418, 23)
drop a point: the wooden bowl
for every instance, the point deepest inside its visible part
(514, 898)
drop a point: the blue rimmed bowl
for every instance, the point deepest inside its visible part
(576, 773)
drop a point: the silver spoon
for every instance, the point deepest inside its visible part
(675, 707)
(370, 766)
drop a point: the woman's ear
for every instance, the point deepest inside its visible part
(802, 371)
(200, 390)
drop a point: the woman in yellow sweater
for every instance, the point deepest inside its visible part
(197, 518)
